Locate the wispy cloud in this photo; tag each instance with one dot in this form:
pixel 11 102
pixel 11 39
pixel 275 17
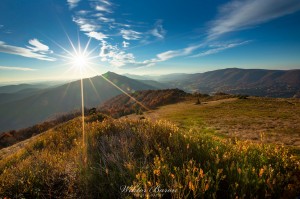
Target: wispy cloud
pixel 4 30
pixel 86 25
pixel 177 53
pixel 106 2
pixel 31 52
pixel 219 48
pixel 83 12
pixel 125 44
pixel 103 8
pixel 167 55
pixel 16 68
pixel 37 46
pixel 242 14
pixel 106 20
pixel 233 16
pixel 158 31
pixel 161 57
pixel 130 34
pixel 72 3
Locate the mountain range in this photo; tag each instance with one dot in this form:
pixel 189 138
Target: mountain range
pixel 258 82
pixel 51 102
pixel 25 105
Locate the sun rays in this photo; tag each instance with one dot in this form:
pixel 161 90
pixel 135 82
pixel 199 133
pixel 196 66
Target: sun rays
pixel 83 61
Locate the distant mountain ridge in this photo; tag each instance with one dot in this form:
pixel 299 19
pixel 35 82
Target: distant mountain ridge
pixel 27 106
pixel 50 102
pixel 258 82
pixel 269 83
pixel 21 87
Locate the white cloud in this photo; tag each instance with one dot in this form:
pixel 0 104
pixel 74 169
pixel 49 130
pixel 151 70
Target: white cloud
pixel 125 44
pixel 98 15
pixel 164 56
pixel 130 34
pixel 16 68
pixel 86 25
pixel 158 30
pixel 97 35
pixel 122 25
pixel 38 46
pixel 119 58
pixel 106 2
pixel 25 52
pixel 177 53
pixel 115 56
pixel 73 3
pixel 106 20
pixel 219 48
pixel 83 12
pixel 242 14
pixel 132 63
pixel 103 9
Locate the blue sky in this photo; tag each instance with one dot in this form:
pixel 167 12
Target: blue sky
pixel 146 37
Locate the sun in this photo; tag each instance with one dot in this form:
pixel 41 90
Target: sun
pixel 80 60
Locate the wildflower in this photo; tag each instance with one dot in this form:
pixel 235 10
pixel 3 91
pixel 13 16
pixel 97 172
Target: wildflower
pixel 261 171
pixel 191 186
pixel 156 172
pixel 201 174
pixel 206 186
pixel 172 175
pixel 239 170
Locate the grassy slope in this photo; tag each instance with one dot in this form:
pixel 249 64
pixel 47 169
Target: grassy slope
pixel 190 159
pixel 277 120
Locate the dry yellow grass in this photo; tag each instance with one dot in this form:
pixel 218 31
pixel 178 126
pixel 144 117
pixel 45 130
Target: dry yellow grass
pixel 271 120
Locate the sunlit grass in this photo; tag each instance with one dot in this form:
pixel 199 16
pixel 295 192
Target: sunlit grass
pixel 193 162
pixel 277 119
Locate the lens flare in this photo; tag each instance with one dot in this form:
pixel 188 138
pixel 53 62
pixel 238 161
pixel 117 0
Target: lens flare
pixel 80 61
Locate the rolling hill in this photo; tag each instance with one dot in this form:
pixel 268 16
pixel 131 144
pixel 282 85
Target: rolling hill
pixel 51 102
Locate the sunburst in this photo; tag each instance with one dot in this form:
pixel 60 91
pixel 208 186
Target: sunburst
pixel 81 60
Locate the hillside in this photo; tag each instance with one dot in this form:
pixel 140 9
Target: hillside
pixel 123 156
pixel 273 121
pixel 50 102
pixel 115 107
pixel 141 101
